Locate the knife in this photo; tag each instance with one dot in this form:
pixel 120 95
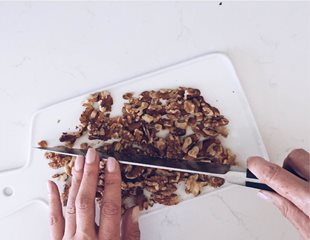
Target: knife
pixel 231 174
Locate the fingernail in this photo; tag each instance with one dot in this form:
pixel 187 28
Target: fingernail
pixel 91 156
pixel 263 196
pixel 135 214
pixel 79 163
pixel 49 187
pixel 111 164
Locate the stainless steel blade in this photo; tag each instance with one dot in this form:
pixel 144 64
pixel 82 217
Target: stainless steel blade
pixel 237 176
pixel 149 161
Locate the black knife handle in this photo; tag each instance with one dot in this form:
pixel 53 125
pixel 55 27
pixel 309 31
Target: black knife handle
pixel 249 174
pixel 256 185
pixel 260 186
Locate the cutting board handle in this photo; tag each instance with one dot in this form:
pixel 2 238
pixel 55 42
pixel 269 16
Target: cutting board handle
pixel 20 187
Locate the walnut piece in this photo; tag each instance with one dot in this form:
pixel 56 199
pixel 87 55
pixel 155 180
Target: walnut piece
pixel 43 144
pixel 189 107
pixel 193 152
pixel 193 186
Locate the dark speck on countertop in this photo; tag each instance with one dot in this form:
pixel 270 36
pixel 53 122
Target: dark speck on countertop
pixel 220 3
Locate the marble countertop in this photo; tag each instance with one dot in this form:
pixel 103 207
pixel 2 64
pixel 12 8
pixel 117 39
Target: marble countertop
pixel 50 52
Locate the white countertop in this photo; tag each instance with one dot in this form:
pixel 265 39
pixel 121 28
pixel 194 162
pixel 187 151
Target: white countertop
pixel 50 52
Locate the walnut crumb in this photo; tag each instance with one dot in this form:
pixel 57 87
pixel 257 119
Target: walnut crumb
pixel 43 144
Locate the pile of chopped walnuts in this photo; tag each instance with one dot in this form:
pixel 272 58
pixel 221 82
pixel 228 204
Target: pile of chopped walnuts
pixel 172 123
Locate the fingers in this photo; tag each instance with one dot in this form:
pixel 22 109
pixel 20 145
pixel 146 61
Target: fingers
pixel 298 161
pixel 130 224
pixel 56 218
pixel 286 184
pixel 70 227
pixel 85 200
pixel 300 220
pixel 110 215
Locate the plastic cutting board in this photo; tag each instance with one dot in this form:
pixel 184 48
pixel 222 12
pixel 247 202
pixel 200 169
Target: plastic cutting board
pixel 213 74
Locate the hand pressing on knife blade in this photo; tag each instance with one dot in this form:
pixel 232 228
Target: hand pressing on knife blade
pixel 292 195
pixel 79 221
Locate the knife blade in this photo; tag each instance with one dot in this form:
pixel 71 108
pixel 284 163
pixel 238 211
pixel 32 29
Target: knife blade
pixel 231 174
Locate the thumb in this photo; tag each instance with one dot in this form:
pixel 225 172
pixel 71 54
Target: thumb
pixel 130 224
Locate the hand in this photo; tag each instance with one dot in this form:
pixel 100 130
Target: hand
pixel 293 193
pixel 80 212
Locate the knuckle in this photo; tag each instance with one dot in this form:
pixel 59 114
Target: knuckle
pixel 108 235
pixel 111 182
pixel 110 209
pixel 296 152
pixel 133 235
pixel 307 203
pixel 294 155
pixel 285 209
pixel 77 177
pixel 53 219
pixel 89 173
pixel 83 202
pixel 80 235
pixel 71 208
pixel 271 173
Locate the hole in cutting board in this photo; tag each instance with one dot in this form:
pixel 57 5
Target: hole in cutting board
pixel 8 191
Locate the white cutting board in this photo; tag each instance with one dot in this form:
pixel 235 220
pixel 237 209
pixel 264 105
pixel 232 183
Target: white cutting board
pixel 213 74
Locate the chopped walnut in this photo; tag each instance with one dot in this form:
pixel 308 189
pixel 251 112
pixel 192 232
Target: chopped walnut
pixel 57 160
pixel 152 123
pixel 189 107
pixel 68 166
pixel 43 144
pixel 69 137
pixel 193 152
pixel 216 181
pixel 187 142
pixel 65 194
pixel 165 200
pixel 127 96
pixel 148 118
pixel 84 146
pixel 135 172
pixel 192 185
pixel 181 124
pixel 62 177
